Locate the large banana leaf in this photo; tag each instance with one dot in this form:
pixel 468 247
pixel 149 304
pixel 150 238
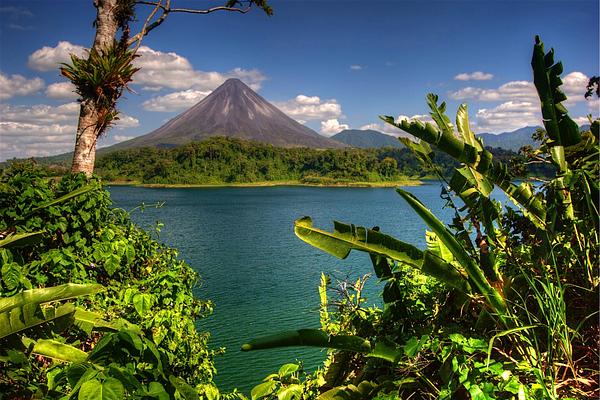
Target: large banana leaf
pixel 346 238
pixel 546 76
pixel 45 295
pixel 55 350
pixel 475 273
pixel 309 337
pixel 20 239
pixel 317 338
pixel 20 318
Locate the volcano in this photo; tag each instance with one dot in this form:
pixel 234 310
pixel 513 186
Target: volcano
pixel 232 110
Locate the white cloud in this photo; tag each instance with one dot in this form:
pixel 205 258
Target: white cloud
pixel 508 116
pixel 581 121
pixel 574 86
pixel 158 69
pixel 594 106
pixel 170 70
pixel 474 76
pixel 40 114
pixel 38 130
pixel 48 58
pixel 383 128
pixel 42 130
pixel 515 90
pixel 61 90
pixel 125 121
pixel 15 12
pixel 332 126
pixel 356 67
pixel 18 85
pixel 122 138
pixel 177 101
pixel 307 108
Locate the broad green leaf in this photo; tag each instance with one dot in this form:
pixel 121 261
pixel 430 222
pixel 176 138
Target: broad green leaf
pixel 30 315
pixel 143 303
pixel 477 394
pixel 345 238
pixel 444 272
pixel 156 390
pixel 68 196
pixel 11 275
pixel 438 114
pixel 126 377
pixel 263 389
pixel 413 345
pixel 58 351
pixel 110 389
pixel 558 156
pixel 388 351
pixel 458 251
pixel 185 390
pixel 462 125
pixel 293 391
pixel 45 295
pixel 309 337
pixel 323 313
pixel 288 369
pixel 437 247
pixel 21 239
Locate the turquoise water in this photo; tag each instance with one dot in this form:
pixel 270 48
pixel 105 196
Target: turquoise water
pixel 260 276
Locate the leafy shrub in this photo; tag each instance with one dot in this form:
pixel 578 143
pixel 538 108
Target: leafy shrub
pixel 84 240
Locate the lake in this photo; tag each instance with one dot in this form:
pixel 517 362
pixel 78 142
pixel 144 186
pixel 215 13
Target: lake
pixel 260 276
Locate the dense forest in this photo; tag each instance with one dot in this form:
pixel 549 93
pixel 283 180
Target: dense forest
pixel 225 160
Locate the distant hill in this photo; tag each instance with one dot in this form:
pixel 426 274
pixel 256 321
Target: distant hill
pixel 366 139
pixel 231 110
pixel 513 140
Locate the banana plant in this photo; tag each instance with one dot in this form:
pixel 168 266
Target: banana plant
pixel 31 308
pixel 452 257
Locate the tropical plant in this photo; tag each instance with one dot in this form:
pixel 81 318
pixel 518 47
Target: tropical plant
pixel 135 338
pixel 515 315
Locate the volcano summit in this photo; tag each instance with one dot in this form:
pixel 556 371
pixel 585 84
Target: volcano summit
pixel 233 110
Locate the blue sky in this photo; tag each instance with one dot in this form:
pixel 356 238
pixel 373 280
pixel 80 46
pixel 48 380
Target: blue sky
pixel 329 64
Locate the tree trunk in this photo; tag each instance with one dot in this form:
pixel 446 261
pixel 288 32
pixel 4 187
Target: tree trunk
pixel 87 127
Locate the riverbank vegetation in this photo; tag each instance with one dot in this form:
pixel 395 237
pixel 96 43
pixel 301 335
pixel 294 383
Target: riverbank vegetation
pixel 229 161
pixel 133 334
pixel 503 302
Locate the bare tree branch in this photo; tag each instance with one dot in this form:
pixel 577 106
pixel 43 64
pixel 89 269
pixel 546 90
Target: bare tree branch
pixel 166 10
pixel 144 31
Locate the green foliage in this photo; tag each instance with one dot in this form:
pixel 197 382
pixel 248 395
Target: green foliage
pixel 291 382
pixel 225 160
pixel 138 333
pixel 502 303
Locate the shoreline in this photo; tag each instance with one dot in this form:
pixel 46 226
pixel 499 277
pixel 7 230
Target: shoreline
pixel 390 184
